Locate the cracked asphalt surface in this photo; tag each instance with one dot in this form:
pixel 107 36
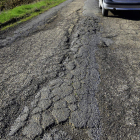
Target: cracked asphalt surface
pixel 71 74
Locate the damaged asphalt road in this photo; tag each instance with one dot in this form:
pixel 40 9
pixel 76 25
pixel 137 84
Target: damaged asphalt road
pixel 74 76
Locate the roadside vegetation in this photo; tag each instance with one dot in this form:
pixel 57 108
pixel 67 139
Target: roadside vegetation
pixel 24 12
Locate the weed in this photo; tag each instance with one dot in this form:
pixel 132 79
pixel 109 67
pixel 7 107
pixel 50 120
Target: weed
pixel 28 9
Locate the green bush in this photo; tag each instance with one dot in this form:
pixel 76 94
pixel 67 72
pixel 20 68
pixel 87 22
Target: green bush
pixel 25 10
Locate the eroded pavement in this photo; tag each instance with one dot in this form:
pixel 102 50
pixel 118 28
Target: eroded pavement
pixel 75 78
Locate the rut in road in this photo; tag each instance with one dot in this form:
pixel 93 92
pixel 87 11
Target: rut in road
pixel 70 97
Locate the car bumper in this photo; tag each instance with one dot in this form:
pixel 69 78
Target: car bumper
pixel 121 7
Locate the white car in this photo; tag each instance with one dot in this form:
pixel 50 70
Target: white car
pixel 118 5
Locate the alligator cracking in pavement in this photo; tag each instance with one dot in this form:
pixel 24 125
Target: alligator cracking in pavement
pixel 62 104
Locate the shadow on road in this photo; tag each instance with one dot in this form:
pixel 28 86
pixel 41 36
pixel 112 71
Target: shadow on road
pixel 131 15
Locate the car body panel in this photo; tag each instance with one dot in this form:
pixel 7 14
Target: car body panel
pixel 120 4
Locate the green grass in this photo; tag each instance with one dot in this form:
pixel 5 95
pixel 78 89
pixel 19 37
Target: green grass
pixel 28 11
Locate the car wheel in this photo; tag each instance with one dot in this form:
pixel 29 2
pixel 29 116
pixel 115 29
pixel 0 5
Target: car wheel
pixel 100 5
pixel 104 11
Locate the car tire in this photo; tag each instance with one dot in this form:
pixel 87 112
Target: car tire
pixel 104 11
pixel 100 5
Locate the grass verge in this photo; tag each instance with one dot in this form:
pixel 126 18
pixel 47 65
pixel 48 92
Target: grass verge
pixel 25 12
